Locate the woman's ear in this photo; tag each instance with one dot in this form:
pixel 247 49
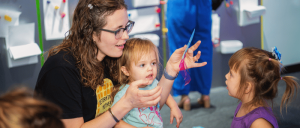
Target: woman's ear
pixel 249 87
pixel 124 70
pixel 95 37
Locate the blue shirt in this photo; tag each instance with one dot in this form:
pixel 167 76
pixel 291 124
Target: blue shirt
pixel 141 117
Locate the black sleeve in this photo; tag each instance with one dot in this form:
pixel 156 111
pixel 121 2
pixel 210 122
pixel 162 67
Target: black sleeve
pixel 62 86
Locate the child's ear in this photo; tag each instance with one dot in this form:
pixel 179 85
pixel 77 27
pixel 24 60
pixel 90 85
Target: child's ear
pixel 249 87
pixel 124 70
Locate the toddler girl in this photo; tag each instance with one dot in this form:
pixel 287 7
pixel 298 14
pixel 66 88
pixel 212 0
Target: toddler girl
pixel 140 62
pixel 253 79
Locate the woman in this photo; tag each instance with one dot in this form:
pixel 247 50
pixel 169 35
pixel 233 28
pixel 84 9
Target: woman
pixel 78 73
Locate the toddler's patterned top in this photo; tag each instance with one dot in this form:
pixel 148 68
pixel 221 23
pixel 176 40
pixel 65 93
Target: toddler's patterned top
pixel 141 117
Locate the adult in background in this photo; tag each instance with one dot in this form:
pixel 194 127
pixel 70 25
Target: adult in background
pixel 183 16
pixel 80 73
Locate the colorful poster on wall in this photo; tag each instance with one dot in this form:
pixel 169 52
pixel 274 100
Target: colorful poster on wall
pixel 56 19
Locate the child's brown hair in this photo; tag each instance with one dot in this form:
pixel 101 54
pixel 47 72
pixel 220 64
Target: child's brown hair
pixel 18 109
pixel 134 50
pixel 262 69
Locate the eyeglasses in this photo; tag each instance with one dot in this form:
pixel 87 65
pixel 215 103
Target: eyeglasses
pixel 118 33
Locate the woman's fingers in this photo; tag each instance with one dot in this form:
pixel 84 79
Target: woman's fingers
pixel 150 93
pixel 150 97
pixel 197 57
pixel 138 83
pixel 195 46
pixel 199 64
pixel 153 102
pixel 182 49
pixel 143 98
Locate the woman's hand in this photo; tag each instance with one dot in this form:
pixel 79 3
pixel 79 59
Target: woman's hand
pixel 172 66
pixel 176 113
pixel 142 98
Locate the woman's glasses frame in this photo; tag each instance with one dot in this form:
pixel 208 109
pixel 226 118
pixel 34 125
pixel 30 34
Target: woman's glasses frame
pixel 120 31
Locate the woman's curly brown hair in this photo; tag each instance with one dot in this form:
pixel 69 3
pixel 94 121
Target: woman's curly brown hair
pixel 79 42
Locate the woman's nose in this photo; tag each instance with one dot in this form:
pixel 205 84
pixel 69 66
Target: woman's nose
pixel 125 35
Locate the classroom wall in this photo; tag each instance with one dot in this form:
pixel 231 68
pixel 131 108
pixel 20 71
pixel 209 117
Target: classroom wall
pixel 281 29
pixel 230 30
pixel 27 75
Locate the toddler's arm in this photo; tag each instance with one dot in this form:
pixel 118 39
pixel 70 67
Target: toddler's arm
pixel 175 111
pixel 261 123
pixel 170 102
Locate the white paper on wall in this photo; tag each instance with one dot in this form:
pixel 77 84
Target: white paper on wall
pixel 153 37
pixel 21 47
pixel 23 51
pixel 13 15
pixel 230 46
pixel 56 19
pixel 249 12
pixel 146 20
pixel 142 3
pixel 215 31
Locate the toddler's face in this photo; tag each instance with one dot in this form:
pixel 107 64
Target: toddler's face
pixel 232 81
pixel 146 68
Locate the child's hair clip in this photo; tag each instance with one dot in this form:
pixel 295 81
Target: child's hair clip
pixel 276 54
pixel 90 6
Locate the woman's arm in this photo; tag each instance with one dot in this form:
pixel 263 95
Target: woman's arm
pixel 133 98
pixel 123 124
pixel 106 120
pixel 172 67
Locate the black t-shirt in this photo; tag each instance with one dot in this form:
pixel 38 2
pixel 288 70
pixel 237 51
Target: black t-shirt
pixel 59 82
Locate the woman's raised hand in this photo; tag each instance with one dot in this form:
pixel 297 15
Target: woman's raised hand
pixel 172 66
pixel 142 98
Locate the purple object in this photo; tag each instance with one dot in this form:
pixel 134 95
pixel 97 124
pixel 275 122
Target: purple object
pixel 184 72
pixel 246 120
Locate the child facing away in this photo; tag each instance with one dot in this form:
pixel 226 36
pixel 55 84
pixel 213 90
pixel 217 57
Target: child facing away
pixel 18 109
pixel 253 79
pixel 140 61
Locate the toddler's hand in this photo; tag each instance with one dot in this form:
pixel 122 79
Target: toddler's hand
pixel 176 113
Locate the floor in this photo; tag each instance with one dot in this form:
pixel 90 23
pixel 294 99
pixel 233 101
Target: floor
pixel 223 106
